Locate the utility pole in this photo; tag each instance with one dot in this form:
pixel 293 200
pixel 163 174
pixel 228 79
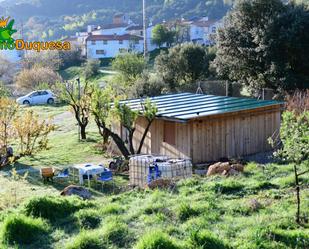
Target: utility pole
pixel 78 84
pixel 145 29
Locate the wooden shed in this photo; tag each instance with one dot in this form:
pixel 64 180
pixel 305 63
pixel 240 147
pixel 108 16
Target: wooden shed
pixel 207 127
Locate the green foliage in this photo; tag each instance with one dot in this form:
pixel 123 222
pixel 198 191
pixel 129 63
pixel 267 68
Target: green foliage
pixel 294 134
pixel 161 35
pixel 54 208
pixel 92 67
pixel 130 66
pixel 183 65
pixel 156 240
pixel 88 218
pixel 149 84
pixel 126 115
pixel 23 230
pixel 205 240
pixel 259 43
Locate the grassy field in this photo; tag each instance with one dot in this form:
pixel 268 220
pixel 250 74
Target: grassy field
pixel 254 210
pixel 64 145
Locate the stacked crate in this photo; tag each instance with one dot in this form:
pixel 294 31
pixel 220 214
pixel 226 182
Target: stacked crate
pixel 170 168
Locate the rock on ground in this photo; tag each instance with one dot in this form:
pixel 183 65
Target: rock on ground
pixel 76 190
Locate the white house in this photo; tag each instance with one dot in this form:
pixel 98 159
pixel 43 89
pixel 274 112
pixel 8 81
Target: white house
pixel 203 30
pixel 109 46
pixel 121 36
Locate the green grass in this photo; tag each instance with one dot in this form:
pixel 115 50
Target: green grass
pixel 251 211
pixel 64 146
pixel 105 74
pixel 196 214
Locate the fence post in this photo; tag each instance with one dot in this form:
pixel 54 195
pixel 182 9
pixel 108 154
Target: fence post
pixel 226 88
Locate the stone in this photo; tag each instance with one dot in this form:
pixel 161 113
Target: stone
pixel 218 168
pixel 239 167
pixel 76 190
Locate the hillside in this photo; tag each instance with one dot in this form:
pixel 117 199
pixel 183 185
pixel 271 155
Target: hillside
pixel 64 17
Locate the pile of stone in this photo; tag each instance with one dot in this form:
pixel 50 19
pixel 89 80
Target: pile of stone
pixel 225 169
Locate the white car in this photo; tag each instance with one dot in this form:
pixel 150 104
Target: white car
pixel 37 98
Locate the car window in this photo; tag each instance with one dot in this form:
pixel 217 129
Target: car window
pixel 34 94
pixel 44 93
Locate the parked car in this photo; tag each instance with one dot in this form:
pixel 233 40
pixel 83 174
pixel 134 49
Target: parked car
pixel 37 98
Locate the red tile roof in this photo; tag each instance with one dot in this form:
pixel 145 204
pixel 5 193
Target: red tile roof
pixel 125 37
pixel 204 23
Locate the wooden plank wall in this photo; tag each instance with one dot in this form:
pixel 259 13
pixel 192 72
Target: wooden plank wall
pixel 210 139
pixel 182 147
pixel 233 136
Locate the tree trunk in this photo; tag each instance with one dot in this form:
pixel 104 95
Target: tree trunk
pixel 144 137
pixel 105 135
pixel 297 195
pixel 120 144
pixel 83 132
pixel 131 134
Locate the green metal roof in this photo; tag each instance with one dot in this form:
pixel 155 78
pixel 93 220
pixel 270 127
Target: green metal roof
pixel 186 106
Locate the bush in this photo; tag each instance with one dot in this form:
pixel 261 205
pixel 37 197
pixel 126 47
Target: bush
pixel 156 240
pixel 53 208
pixel 116 232
pixel 23 230
pixel 205 240
pixel 185 211
pixel 88 218
pixel 88 240
pixel 29 79
pixel 92 67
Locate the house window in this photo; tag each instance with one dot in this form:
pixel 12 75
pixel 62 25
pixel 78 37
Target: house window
pixel 105 42
pixel 92 42
pixel 100 51
pixel 169 133
pixel 120 41
pixel 136 41
pixel 141 33
pixel 214 29
pixel 122 50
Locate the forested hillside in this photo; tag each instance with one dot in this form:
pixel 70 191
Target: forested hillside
pixel 64 17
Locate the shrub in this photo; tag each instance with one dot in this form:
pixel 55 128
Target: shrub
pixel 116 232
pixel 53 208
pixel 88 240
pixel 92 67
pixel 88 218
pixel 29 79
pixel 156 240
pixel 205 240
pixel 185 211
pixel 21 229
